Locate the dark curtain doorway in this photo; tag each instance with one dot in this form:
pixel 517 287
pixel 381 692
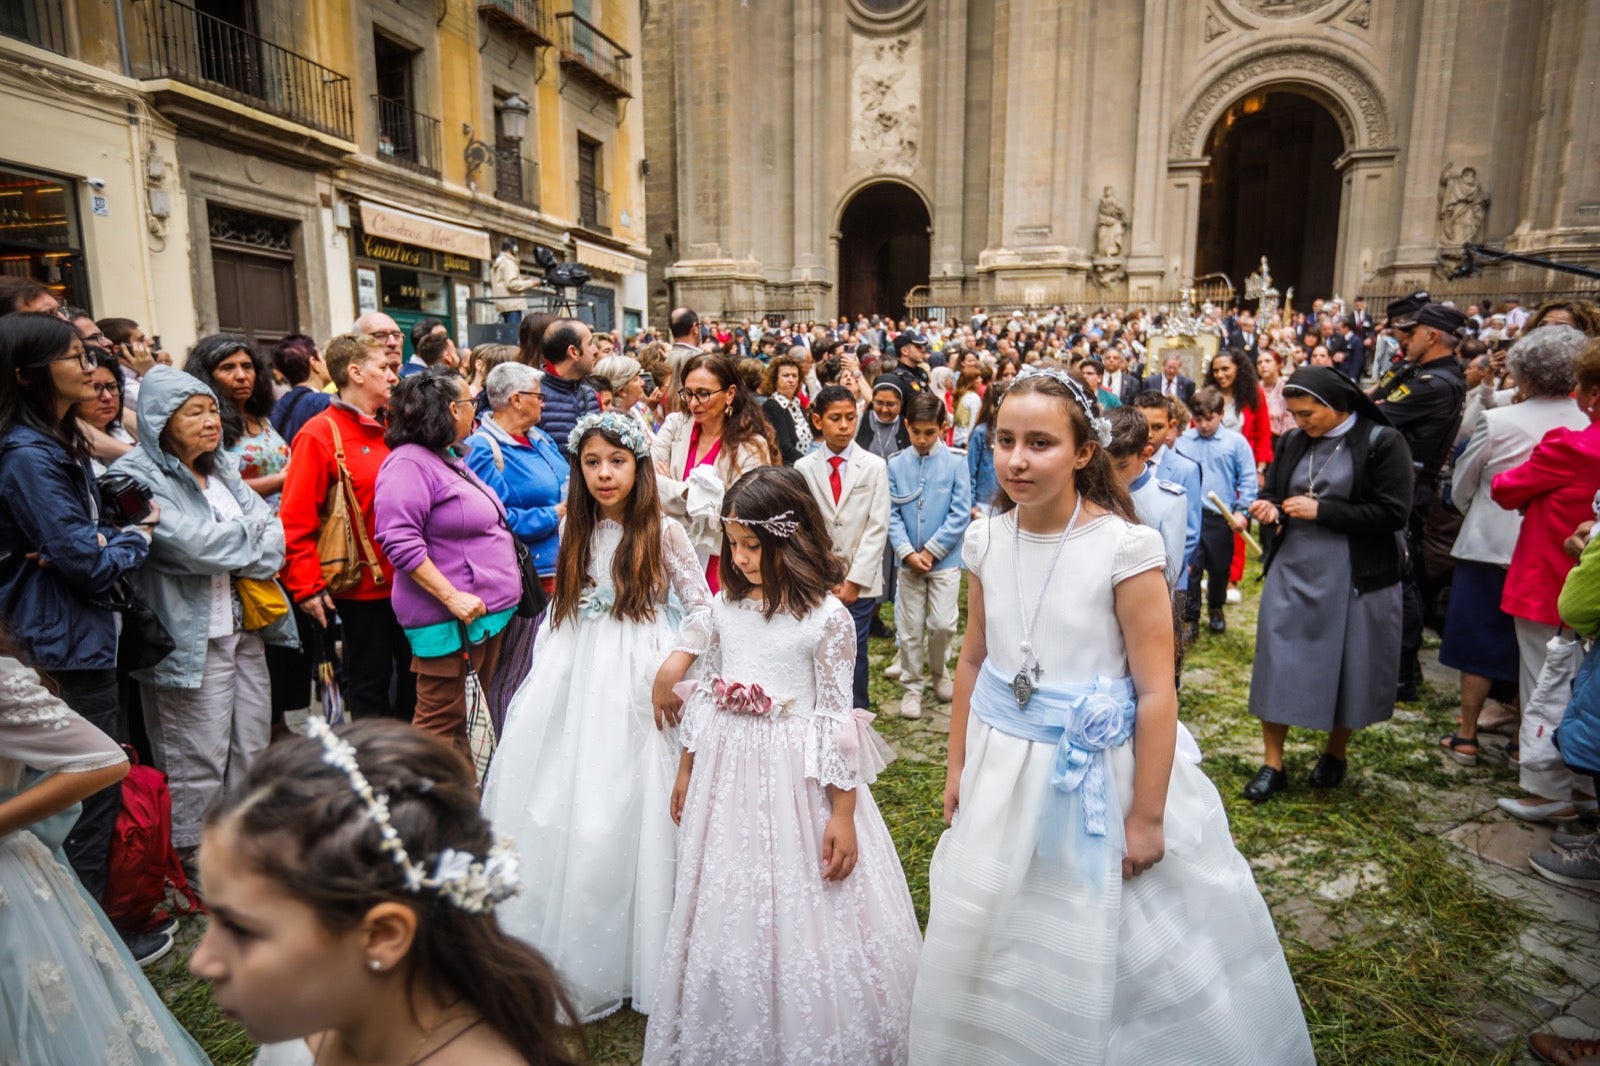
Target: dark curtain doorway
pixel 1271 190
pixel 883 250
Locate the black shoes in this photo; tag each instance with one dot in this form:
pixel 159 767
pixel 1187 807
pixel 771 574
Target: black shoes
pixel 1267 783
pixel 148 949
pixel 1328 773
pixel 1407 687
pixel 1215 622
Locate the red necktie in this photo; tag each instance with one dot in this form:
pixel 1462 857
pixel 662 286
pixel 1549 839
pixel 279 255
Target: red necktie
pixel 834 481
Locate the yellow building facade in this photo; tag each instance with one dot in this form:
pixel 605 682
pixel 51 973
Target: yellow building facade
pixel 272 166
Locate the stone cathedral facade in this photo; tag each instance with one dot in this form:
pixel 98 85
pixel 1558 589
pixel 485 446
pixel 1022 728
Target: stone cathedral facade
pixel 833 156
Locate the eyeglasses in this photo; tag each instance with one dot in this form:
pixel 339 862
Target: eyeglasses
pixel 531 392
pixel 386 334
pixel 699 396
pixel 84 360
pixel 469 401
pixel 93 338
pixel 103 388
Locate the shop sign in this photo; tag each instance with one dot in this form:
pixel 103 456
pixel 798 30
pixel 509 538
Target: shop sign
pixel 391 252
pixel 408 228
pixel 455 264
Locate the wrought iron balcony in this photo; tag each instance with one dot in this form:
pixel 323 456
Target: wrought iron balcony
pixel 516 178
pixel 522 18
pixel 407 137
pixel 197 49
pixel 590 54
pixel 594 207
pixel 42 23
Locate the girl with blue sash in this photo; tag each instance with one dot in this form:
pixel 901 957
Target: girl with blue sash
pixel 1086 906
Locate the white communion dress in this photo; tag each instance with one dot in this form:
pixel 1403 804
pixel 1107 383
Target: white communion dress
pixel 1037 951
pixel 767 963
pixel 582 779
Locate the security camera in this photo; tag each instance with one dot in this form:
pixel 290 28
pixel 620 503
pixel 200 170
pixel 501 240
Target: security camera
pixel 97 183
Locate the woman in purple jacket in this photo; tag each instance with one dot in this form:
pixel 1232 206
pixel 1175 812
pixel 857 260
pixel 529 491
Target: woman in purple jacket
pixel 455 563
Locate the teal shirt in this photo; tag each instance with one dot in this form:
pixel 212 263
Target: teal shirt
pixel 444 638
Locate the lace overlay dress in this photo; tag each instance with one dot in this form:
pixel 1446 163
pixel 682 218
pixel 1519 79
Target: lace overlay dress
pixel 765 961
pixel 582 779
pixel 1029 960
pixel 70 993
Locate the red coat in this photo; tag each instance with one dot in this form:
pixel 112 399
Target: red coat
pixel 310 474
pixel 1554 489
pixel 1257 428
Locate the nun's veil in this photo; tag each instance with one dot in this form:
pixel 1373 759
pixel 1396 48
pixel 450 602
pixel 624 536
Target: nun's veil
pixel 1334 390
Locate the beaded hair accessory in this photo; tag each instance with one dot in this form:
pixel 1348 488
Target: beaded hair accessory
pixel 624 426
pixel 458 877
pixel 782 525
pixel 1099 423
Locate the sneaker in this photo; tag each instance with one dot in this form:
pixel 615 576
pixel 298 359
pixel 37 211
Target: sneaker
pixel 911 705
pixel 944 689
pixel 1564 1050
pixel 1234 595
pixel 892 671
pixel 148 949
pixel 1570 841
pixel 1577 868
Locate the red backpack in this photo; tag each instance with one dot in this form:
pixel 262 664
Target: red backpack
pixel 143 860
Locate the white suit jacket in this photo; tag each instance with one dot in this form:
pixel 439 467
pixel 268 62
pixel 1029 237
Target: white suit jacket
pixel 1504 438
pixel 859 522
pixel 696 502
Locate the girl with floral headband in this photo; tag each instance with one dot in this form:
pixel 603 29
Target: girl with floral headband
pixel 1087 903
pixel 793 938
pixel 353 888
pixel 583 772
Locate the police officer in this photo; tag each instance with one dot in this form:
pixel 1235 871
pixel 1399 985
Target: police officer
pixel 1386 356
pixel 1423 398
pixel 911 348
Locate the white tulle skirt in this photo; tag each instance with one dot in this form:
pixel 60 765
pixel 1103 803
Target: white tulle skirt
pixel 766 962
pixel 581 781
pixel 1031 962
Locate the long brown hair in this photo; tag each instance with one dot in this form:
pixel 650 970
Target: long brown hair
pixel 744 422
pixel 298 821
pixel 1095 481
pixel 797 571
pixel 638 570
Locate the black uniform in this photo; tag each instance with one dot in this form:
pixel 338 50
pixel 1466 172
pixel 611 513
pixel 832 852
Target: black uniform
pixel 1424 402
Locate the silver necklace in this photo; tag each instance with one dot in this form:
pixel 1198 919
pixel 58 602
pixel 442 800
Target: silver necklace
pixel 1026 683
pixel 1314 473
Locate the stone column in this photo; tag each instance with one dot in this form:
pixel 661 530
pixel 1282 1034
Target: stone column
pixel 1181 218
pixel 1367 176
pixel 1418 244
pixel 947 160
pixel 1148 266
pixel 810 219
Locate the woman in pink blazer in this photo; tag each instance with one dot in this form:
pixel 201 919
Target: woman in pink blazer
pixel 1555 490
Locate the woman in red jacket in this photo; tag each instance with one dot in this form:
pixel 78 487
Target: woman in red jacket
pixel 1555 490
pixel 1244 410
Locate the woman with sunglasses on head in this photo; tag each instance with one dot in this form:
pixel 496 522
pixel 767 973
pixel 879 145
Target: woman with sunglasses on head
pixel 719 435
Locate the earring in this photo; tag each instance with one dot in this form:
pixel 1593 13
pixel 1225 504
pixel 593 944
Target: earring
pixel 728 410
pixel 374 965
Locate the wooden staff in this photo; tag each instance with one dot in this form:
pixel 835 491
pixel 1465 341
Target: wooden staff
pixel 1222 509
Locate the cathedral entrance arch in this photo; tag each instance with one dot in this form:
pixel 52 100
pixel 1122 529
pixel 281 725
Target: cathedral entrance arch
pixel 1271 189
pixel 883 249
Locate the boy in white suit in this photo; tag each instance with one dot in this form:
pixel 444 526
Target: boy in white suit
pixel 851 485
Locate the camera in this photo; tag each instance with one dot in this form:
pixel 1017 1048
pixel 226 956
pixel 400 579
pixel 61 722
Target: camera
pixel 123 501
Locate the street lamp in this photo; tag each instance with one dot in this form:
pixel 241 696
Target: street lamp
pixel 513 122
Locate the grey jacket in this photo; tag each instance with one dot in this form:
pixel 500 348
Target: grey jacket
pixel 190 543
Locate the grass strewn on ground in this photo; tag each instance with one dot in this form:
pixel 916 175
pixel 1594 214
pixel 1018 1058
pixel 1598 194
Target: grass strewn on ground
pixel 1397 950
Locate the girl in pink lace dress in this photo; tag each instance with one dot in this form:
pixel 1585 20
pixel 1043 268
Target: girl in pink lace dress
pixel 792 937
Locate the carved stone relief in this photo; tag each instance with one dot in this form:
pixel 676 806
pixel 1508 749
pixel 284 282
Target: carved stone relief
pixel 1213 27
pixel 886 104
pixel 1285 9
pixel 1361 14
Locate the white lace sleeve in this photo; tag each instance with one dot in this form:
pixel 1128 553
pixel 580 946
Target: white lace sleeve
pixel 687 579
pixel 841 747
pixel 1138 549
pixel 40 732
pixel 699 704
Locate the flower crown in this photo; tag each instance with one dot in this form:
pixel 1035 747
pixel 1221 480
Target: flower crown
pixel 1099 423
pixel 624 426
pixel 783 524
pixel 459 877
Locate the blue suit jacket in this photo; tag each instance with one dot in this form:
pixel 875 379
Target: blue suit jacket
pixel 1184 471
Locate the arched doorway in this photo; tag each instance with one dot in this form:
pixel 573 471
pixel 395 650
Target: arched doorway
pixel 883 250
pixel 1271 190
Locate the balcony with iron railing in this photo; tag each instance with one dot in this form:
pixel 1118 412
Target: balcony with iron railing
pixel 528 19
pixel 516 177
pixel 594 208
pixel 406 137
pixel 196 49
pixel 42 23
pixel 591 55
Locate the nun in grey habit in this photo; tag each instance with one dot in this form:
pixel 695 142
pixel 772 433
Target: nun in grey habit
pixel 1328 636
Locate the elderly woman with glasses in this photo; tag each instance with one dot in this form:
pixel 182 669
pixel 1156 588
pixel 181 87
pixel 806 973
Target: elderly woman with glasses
pixel 520 462
pixel 629 394
pixel 456 578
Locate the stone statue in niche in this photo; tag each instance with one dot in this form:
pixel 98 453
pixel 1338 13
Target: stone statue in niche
pixel 1463 205
pixel 887 123
pixel 1111 223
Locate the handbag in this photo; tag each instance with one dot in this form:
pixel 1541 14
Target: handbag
pixel 1545 706
pixel 144 641
pixel 480 730
pixel 261 601
pixel 516 660
pixel 342 542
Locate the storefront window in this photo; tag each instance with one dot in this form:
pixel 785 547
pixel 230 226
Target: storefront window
pixel 39 233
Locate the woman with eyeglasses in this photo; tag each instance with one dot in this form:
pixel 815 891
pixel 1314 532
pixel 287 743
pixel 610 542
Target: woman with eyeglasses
pixel 106 424
pixel 60 555
pixel 456 579
pixel 520 462
pixel 719 435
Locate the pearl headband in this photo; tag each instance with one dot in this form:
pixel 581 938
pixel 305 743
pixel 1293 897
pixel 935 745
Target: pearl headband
pixel 1100 424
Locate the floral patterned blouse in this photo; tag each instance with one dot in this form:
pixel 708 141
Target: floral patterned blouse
pixel 262 455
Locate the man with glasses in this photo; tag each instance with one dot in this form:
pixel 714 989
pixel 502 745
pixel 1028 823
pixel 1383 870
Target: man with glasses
pixel 569 357
pixel 385 329
pixel 93 337
pixel 26 295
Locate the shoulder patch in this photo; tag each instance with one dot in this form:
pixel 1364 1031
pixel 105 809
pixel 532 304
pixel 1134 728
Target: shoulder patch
pixel 1170 486
pixel 1398 394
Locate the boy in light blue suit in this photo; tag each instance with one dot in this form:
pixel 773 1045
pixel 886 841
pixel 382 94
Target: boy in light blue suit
pixel 930 506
